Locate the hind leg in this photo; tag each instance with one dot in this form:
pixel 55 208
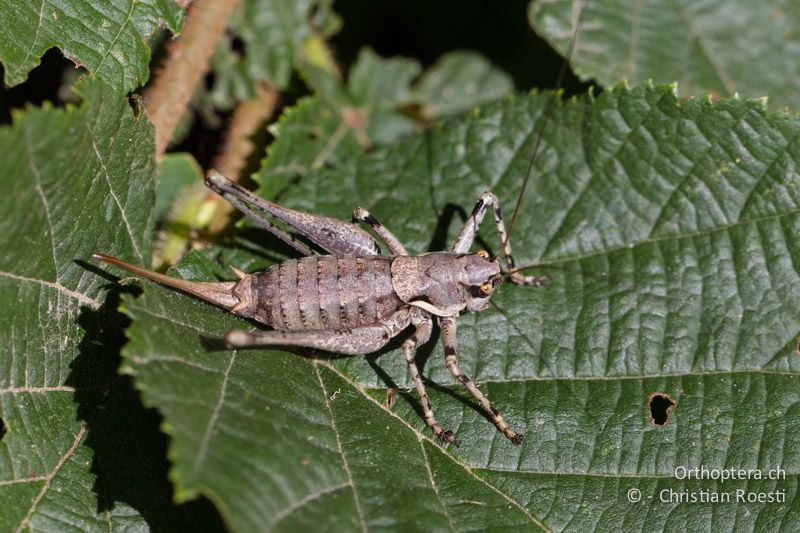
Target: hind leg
pixel 335 236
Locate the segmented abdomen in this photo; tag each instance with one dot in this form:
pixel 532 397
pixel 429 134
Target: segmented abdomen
pixel 326 292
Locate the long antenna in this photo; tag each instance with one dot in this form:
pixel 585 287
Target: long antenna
pixel 546 116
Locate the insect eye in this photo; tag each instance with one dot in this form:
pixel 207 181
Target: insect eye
pixel 483 253
pixel 486 289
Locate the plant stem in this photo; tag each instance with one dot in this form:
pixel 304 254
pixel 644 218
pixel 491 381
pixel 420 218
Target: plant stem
pixel 186 64
pixel 246 120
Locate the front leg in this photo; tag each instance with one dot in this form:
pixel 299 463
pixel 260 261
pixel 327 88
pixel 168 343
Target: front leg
pixel 451 362
pixel 470 229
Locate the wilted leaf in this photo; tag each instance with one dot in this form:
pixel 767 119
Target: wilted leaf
pixel 108 38
pixel 672 231
pixel 77 451
pixel 719 47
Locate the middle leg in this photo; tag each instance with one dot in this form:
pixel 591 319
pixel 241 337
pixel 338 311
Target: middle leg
pixel 421 335
pixel 396 248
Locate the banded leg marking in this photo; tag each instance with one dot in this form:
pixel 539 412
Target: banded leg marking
pixel 420 336
pixel 393 243
pixel 470 230
pixel 451 362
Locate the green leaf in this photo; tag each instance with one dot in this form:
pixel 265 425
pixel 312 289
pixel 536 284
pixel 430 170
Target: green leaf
pixel 179 199
pixel 458 82
pixel 312 135
pixel 108 38
pixel 370 109
pixel 342 120
pixel 670 229
pixel 367 106
pixel 272 33
pixel 718 47
pixel 176 173
pixel 78 451
pixel 79 179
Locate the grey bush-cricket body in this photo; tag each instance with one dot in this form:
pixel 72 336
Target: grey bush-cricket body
pixel 354 300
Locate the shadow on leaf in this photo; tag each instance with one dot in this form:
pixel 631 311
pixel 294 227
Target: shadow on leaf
pixel 130 452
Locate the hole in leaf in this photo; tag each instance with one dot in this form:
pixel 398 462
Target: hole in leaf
pixel 2 429
pixel 660 405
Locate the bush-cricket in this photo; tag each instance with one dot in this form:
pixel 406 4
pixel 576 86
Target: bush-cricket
pixel 354 300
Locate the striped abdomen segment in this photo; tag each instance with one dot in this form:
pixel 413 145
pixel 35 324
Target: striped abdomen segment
pixel 326 292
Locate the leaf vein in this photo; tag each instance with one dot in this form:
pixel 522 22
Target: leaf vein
pixel 54 285
pixel 642 376
pixel 34 479
pixel 49 479
pixel 203 451
pixel 40 191
pixel 28 54
pixel 633 49
pixel 37 390
pixel 585 187
pixel 716 64
pixel 741 304
pixel 299 504
pixel 420 435
pixel 433 484
pixel 653 240
pixel 116 38
pixel 345 465
pixel 114 196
